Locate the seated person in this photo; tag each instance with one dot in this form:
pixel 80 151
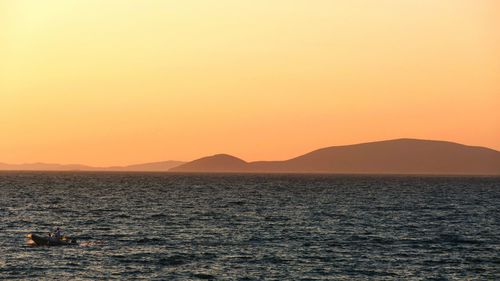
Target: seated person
pixel 58 233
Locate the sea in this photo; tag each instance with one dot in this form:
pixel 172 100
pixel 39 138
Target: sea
pixel 161 226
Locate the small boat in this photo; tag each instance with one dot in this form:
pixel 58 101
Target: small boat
pixel 40 240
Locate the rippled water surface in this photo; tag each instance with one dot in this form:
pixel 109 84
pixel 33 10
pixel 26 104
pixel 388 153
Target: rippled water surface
pixel 251 227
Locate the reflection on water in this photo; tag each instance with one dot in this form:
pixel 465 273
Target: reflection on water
pixel 250 227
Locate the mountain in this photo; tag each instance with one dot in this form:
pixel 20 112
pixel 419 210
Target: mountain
pixel 146 167
pixel 215 163
pixel 400 156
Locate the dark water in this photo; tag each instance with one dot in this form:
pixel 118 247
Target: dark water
pixel 251 227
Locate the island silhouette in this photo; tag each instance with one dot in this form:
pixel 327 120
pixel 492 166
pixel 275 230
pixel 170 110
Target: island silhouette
pixel 399 156
pixel 162 166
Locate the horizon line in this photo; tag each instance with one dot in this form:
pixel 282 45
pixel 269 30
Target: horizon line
pixel 212 154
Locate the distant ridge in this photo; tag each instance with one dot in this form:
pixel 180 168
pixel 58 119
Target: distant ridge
pixel 399 156
pixel 45 167
pixel 163 166
pixel 215 163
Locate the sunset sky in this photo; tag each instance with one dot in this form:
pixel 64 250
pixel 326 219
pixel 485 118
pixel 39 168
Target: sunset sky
pixel 118 82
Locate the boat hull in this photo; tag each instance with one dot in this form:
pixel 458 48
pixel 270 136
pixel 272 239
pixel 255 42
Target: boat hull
pixel 40 240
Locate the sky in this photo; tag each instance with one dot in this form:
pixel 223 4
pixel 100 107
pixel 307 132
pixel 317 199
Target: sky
pixel 129 81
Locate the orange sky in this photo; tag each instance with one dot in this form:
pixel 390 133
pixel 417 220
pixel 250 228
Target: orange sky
pixel 116 82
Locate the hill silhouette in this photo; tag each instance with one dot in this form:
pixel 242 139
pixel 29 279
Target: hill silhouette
pixel 45 167
pixel 400 156
pixel 215 163
pixel 146 167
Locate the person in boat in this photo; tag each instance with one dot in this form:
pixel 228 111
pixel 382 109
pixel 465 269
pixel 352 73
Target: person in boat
pixel 58 233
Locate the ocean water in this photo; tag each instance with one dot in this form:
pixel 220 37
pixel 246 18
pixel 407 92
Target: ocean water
pixel 155 226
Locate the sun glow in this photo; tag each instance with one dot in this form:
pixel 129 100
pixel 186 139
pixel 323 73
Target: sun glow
pixel 123 81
